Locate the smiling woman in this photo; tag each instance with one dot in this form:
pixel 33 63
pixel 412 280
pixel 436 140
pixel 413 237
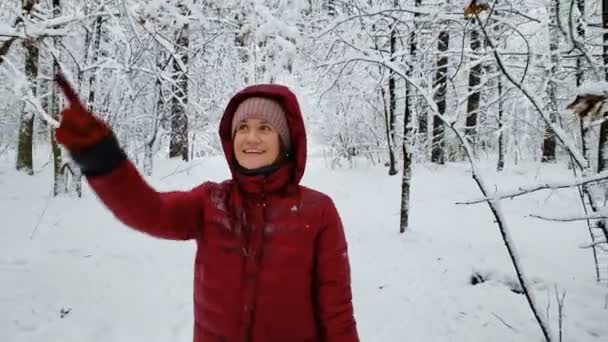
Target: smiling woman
pixel 271 261
pixel 256 144
pixel 260 134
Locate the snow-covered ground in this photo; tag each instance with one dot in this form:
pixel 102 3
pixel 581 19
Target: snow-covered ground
pixel 70 272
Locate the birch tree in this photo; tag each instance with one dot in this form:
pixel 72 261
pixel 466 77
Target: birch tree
pixel 549 141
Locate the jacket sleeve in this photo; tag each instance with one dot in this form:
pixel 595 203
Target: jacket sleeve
pixel 171 215
pixel 332 281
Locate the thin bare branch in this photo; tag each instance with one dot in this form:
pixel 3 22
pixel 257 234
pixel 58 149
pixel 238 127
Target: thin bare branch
pixel 571 218
pixel 603 176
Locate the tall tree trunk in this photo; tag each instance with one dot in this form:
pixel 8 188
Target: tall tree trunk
pixel 602 162
pixel 470 131
pixel 493 68
pixel 580 74
pixel 406 177
pixel 422 116
pixel 440 84
pixel 149 144
pixel 392 103
pixel 501 134
pixel 26 126
pixel 60 181
pixel 605 37
pixel 580 29
pixel 25 146
pixel 178 145
pixel 549 140
pixel 389 115
pixel 95 57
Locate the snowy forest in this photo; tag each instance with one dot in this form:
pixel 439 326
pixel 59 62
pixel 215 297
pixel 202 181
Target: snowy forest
pixel 483 118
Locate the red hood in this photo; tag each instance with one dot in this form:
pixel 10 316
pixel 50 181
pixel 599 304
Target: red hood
pixel 290 104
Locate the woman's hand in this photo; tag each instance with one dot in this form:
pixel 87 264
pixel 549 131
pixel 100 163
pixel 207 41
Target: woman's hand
pixel 79 129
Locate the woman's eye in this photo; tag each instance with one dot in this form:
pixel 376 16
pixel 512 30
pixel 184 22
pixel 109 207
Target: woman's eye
pixel 265 128
pixel 241 127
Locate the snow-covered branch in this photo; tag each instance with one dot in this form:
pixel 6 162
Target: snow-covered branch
pixel 524 190
pixel 572 218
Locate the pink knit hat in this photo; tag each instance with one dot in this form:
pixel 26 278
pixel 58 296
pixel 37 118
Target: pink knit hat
pixel 264 109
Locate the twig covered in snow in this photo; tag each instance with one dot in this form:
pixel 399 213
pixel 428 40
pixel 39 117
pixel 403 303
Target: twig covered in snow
pixel 524 190
pixel 594 244
pixel 560 310
pixel 503 322
pixel 46 206
pixel 594 216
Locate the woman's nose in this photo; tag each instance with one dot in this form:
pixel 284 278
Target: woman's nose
pixel 252 135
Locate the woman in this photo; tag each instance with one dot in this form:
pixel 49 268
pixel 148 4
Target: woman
pixel 271 261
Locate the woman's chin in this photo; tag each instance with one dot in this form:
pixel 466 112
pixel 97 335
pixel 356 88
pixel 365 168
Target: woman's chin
pixel 253 164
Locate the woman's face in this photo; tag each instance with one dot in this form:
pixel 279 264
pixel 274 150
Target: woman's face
pixel 256 144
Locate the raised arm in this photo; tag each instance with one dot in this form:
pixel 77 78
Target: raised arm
pixel 171 215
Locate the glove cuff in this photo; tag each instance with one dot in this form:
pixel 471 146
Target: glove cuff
pixel 101 158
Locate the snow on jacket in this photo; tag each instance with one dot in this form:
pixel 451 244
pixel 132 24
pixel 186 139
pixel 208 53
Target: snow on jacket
pixel 271 262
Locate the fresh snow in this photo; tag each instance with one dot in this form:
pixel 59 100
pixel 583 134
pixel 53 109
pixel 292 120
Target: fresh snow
pixel 69 271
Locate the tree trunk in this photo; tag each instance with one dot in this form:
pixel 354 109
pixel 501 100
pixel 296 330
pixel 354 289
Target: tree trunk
pixel 501 135
pixel 149 144
pixel 580 74
pixel 25 146
pixel 440 84
pixel 26 126
pixel 470 131
pixel 389 115
pixel 406 177
pixel 178 146
pixel 580 28
pixel 95 56
pixel 549 140
pixel 392 104
pixel 422 116
pixel 602 162
pixel 60 182
pixel 605 37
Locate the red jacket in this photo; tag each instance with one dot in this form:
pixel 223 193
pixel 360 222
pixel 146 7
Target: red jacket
pixel 271 263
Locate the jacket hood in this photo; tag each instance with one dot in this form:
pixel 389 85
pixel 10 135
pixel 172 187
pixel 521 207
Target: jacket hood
pixel 289 101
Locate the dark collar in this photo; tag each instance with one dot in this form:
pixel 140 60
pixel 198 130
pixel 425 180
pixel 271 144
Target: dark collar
pixel 261 171
pixel 265 180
